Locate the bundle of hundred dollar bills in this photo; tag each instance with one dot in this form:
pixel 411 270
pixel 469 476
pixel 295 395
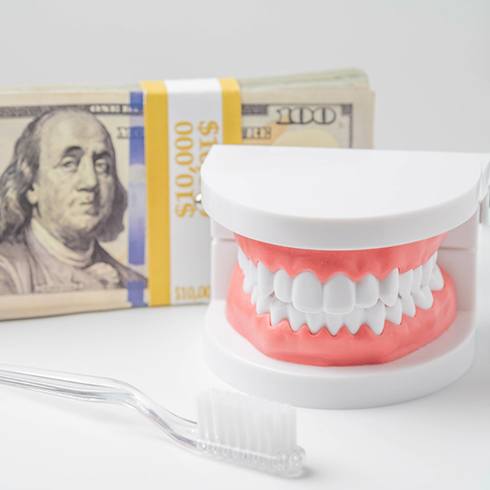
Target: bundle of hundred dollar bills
pixel 99 188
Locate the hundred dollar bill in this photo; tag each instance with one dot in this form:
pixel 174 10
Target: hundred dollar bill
pixel 332 109
pixel 73 185
pixel 66 182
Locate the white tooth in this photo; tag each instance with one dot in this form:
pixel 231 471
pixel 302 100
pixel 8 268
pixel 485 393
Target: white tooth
pixel 408 306
pixel 436 282
pixel 253 297
pixel 334 322
pixel 253 271
pixel 427 269
pixel 354 320
pixel 263 304
pixel 388 289
pixel 376 316
pixel 423 298
pixel 417 278
pixel 367 291
pixel 249 279
pixel 405 283
pixel 315 321
pixel 394 313
pixel 249 276
pixel 296 318
pixel 279 311
pixel 339 295
pixel 307 293
pixel 282 286
pixel 242 260
pixel 265 280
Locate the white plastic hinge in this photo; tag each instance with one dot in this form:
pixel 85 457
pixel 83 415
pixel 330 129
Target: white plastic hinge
pixel 485 209
pixel 485 194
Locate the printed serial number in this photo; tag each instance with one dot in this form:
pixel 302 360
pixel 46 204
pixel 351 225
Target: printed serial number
pixel 191 293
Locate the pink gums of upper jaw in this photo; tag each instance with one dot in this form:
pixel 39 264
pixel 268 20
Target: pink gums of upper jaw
pixel 354 263
pixel 344 349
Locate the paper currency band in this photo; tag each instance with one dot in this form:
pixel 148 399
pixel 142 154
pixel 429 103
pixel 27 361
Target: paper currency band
pixel 156 157
pixel 158 184
pixel 232 112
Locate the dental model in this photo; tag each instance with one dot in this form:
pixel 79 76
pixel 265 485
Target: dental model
pixel 340 308
pixel 342 278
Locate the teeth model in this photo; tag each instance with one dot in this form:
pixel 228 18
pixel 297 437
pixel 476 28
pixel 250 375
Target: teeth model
pixel 340 307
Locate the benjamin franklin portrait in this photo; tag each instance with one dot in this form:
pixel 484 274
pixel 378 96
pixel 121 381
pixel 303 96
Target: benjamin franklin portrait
pixel 60 197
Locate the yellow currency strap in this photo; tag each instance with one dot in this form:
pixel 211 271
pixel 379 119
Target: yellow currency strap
pixel 232 111
pixel 158 190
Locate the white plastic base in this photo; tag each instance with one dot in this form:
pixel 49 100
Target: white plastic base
pixel 238 363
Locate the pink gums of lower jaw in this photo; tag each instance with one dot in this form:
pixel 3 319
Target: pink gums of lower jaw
pixel 344 349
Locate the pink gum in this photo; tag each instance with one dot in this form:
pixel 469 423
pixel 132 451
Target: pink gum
pixel 343 349
pixel 355 263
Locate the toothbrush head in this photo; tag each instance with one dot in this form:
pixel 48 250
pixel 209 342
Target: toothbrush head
pixel 249 431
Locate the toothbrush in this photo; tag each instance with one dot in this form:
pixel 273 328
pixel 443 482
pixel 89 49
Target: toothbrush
pixel 230 427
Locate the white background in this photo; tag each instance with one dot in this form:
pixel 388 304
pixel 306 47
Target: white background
pixel 429 64
pixel 428 60
pixel 440 442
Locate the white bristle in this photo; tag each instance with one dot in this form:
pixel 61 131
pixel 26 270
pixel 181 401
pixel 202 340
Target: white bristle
pixel 249 430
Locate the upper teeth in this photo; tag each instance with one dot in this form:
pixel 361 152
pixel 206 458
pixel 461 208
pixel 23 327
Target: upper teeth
pixel 339 301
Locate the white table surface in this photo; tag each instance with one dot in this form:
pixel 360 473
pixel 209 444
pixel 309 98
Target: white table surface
pixel 438 442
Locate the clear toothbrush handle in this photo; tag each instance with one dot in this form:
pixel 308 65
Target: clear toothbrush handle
pixel 99 389
pixel 70 385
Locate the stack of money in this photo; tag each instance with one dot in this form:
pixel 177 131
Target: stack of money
pixel 327 109
pixel 99 187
